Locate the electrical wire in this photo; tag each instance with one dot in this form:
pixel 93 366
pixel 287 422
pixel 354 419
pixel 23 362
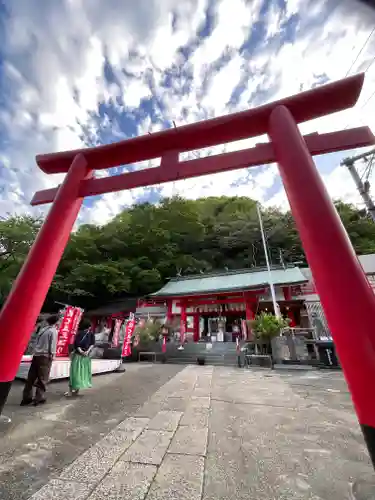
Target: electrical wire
pixel 360 52
pixel 368 100
pixel 365 71
pixel 369 66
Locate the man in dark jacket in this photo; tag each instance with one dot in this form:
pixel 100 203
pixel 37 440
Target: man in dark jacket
pixel 44 351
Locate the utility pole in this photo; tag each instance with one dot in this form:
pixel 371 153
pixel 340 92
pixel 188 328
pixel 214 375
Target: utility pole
pixel 270 280
pixel 281 258
pixel 363 187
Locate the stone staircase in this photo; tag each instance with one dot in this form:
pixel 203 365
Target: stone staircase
pixel 221 353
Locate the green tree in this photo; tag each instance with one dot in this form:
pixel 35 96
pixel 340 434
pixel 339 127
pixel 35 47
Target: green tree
pixel 360 228
pixel 17 234
pixel 145 245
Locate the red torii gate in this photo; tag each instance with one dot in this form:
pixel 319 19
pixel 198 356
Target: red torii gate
pixel 347 298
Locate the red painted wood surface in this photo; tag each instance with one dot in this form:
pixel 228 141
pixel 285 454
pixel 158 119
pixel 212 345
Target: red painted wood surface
pixel 172 170
pixel 347 299
pixel 23 304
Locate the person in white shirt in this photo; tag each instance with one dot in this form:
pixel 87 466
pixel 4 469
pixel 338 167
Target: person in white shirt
pixel 44 351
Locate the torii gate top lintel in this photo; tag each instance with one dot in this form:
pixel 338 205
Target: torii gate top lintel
pixel 314 103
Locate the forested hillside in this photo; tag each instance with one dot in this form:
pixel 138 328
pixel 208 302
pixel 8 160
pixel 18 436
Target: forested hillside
pixel 142 247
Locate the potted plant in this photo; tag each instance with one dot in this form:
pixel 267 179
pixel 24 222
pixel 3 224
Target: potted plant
pixel 147 333
pixel 265 327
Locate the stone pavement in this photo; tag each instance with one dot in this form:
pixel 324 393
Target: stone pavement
pixel 226 434
pixel 42 441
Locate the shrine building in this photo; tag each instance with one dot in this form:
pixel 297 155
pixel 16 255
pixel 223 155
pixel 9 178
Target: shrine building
pixel 215 306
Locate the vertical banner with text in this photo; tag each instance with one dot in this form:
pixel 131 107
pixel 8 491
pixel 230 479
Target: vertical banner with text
pixel 77 319
pixel 116 333
pixel 182 331
pixel 244 329
pixel 129 330
pixel 68 329
pixel 164 345
pixel 63 335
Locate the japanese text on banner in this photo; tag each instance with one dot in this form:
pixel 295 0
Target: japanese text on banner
pixel 116 333
pixel 64 332
pixel 129 330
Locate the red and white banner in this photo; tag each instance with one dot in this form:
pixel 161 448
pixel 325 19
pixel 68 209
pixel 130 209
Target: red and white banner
pixel 129 330
pixel 164 344
pixel 244 329
pixel 116 333
pixel 77 319
pixel 182 331
pixel 238 350
pixel 64 333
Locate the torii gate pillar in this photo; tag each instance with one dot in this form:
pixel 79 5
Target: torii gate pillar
pixel 22 307
pixel 338 275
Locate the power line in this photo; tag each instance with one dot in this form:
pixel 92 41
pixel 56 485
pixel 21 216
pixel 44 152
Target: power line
pixel 365 71
pixel 368 100
pixel 360 52
pixel 369 66
pixel 363 106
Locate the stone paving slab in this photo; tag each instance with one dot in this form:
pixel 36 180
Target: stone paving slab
pixel 180 477
pixel 165 420
pixel 149 448
pixel 201 392
pixel 126 481
pixel 199 401
pixel 125 433
pixel 94 464
pixel 99 459
pixel 149 409
pixel 175 404
pixel 195 416
pixel 133 424
pixel 189 441
pixel 58 489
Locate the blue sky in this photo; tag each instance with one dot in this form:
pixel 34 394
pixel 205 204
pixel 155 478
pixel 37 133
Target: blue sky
pixel 75 73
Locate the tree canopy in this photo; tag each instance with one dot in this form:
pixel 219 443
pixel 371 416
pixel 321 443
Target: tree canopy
pixel 136 252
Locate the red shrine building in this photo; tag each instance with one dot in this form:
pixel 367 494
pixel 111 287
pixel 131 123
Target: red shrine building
pixel 208 303
pixel 215 306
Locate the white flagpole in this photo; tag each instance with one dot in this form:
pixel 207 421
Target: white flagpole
pixel 275 304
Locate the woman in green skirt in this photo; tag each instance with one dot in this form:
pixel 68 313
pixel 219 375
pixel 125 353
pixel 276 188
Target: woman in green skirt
pixel 80 366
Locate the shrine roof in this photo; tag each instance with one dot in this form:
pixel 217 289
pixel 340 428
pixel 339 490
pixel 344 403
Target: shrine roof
pixel 229 281
pixel 119 305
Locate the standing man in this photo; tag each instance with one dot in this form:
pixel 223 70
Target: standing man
pixel 44 351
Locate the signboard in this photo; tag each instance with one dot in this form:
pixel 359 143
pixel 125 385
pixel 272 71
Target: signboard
pixel 77 319
pixel 244 329
pixel 129 330
pixel 164 345
pixel 116 333
pixel 68 329
pixel 63 336
pixel 182 331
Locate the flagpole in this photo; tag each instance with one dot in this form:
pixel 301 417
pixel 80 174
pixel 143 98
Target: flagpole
pixel 270 280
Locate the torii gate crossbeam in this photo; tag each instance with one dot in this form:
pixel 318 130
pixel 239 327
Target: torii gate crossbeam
pixel 338 276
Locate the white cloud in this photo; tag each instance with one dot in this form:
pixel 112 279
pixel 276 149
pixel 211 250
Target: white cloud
pixel 222 84
pixel 110 205
pixel 54 57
